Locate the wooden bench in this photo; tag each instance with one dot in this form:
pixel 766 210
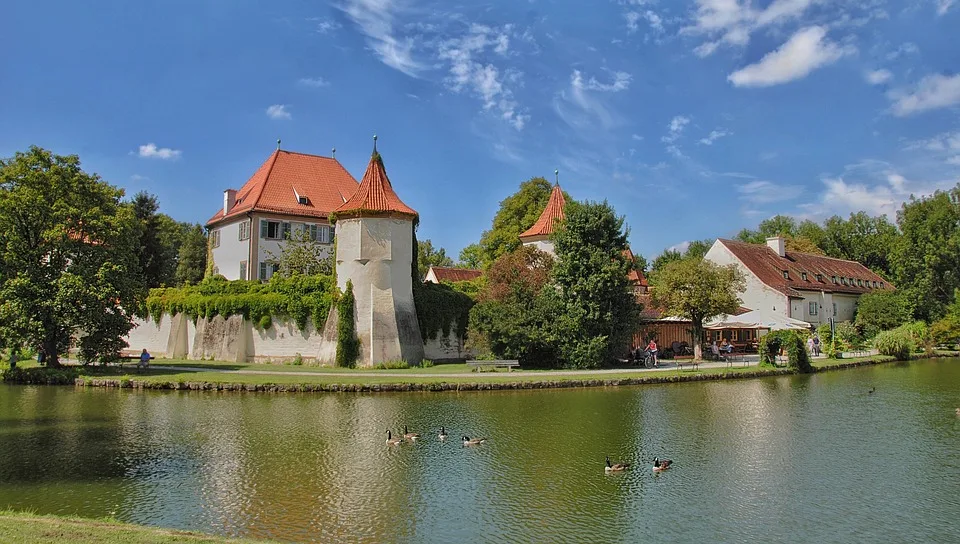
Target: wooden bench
pixel 130 356
pixel 509 364
pixel 689 362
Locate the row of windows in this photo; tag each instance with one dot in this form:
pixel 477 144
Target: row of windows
pixel 279 230
pixel 839 280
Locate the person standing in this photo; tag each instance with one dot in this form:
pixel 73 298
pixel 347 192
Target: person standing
pixel 816 345
pixel 652 348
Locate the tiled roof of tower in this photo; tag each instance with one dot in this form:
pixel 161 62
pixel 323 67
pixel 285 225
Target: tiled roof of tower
pixel 552 213
pixel 634 275
pixel 284 176
pixel 375 193
pixel 802 270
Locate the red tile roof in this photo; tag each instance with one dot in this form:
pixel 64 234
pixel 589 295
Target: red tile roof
pixel 443 273
pixel 285 174
pixel 552 213
pixel 769 268
pixel 635 276
pixel 375 194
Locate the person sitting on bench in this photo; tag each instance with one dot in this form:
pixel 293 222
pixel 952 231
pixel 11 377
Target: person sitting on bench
pixel 715 350
pixel 144 359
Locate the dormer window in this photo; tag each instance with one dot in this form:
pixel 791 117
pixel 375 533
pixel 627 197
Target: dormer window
pixel 786 274
pixel 874 284
pixel 844 280
pixel 820 277
pixel 834 278
pixel 803 276
pixel 881 285
pixel 303 200
pixel 859 283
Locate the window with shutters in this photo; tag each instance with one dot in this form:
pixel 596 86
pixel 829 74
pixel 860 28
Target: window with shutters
pixel 813 308
pixel 274 230
pixel 267 270
pixel 244 230
pixel 243 270
pixel 215 238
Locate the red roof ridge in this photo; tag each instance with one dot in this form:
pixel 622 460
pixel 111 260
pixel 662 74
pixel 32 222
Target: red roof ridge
pixel 725 240
pixel 375 193
pixel 552 213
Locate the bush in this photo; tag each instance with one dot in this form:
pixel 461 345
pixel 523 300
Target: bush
pixel 946 332
pixel 792 343
pixel 348 345
pixel 426 363
pixel 882 311
pixel 392 365
pixel 896 343
pixel 265 322
pixel 297 360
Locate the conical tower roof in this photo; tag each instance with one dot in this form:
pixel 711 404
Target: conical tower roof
pixel 375 195
pixel 552 213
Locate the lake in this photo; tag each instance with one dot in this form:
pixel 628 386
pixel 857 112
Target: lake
pixel 784 459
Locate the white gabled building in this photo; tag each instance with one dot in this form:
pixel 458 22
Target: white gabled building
pixel 804 286
pixel 290 192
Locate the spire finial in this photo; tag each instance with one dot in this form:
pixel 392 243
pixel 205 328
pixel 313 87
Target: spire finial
pixel 334 152
pixel 278 143
pixel 374 143
pixel 556 174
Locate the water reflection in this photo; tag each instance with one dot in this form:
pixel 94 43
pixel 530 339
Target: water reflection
pixel 767 460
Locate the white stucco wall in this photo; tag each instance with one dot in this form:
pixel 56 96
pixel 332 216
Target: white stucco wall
pixel 282 342
pixel 757 295
pixel 543 245
pixel 147 334
pixel 231 251
pixel 377 254
pixel 445 347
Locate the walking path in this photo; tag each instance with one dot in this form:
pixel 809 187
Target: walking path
pixel 750 361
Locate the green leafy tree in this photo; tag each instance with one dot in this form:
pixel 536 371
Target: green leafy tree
pixel 600 313
pixel 518 212
pixel 698 290
pixel 192 256
pixel 698 248
pixel 882 311
pixel 778 225
pixel 302 255
pixel 427 256
pixel 69 258
pixel 662 260
pixel 471 256
pixel 867 240
pixel 153 259
pixel 926 259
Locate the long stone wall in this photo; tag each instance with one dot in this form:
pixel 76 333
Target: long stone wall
pixel 235 339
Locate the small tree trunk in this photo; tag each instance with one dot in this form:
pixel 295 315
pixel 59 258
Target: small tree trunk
pixel 50 353
pixel 698 339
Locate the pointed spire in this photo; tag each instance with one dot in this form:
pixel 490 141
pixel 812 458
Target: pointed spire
pixel 278 144
pixel 334 152
pixel 551 214
pixel 556 174
pixel 375 195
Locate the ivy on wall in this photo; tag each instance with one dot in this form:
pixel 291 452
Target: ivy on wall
pixel 440 308
pixel 348 345
pixel 300 298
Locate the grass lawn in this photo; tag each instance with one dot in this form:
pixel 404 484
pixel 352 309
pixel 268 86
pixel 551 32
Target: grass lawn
pixel 27 528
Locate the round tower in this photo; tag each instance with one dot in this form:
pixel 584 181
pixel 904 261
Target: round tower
pixel 375 251
pixel 538 235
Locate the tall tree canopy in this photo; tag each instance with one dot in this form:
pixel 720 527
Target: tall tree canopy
pixel 926 259
pixel 192 257
pixel 867 240
pixel 68 257
pixel 600 312
pixel 427 256
pixel 698 290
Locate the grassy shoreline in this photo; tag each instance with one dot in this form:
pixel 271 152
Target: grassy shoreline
pixel 438 378
pixel 27 528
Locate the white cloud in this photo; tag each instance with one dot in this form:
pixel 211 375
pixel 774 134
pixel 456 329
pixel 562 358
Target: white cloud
pixel 675 128
pixel 877 77
pixel 151 151
pixel 138 178
pixel 326 26
pixel 681 247
pixel 714 136
pixel 803 53
pixel 621 82
pixel 943 6
pixel 954 160
pixel 469 71
pixel 375 20
pixel 279 112
pixel 764 192
pixel 315 82
pixel 947 141
pixel 633 18
pixel 933 92
pixel 637 137
pixel 906 48
pixel 731 22
pixel 583 94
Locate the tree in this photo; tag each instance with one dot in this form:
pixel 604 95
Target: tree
pixel 69 258
pixel 698 248
pixel 471 256
pixel 517 213
pixel 926 259
pixel 600 313
pixel 867 240
pixel 192 257
pixel 698 290
pixel 427 256
pixel 882 311
pixel 662 260
pixel 517 276
pixel 151 253
pixel 302 255
pixel 778 225
pixel 801 244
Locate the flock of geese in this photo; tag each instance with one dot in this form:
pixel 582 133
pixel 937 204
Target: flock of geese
pixel 659 465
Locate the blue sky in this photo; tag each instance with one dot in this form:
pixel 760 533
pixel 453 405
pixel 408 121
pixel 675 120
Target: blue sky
pixel 694 119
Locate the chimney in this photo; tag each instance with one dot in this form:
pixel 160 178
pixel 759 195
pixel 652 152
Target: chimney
pixel 778 244
pixel 229 199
